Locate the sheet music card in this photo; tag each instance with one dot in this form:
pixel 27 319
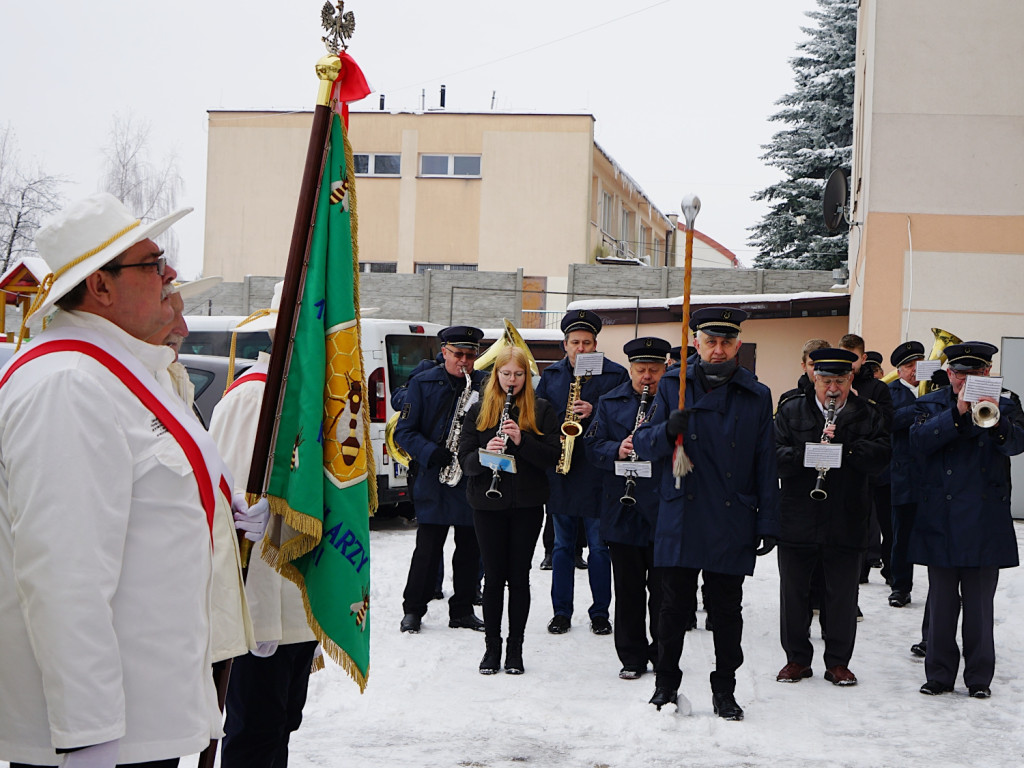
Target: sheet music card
pixel 823 455
pixel 925 368
pixel 977 387
pixel 589 364
pixel 500 461
pixel 633 468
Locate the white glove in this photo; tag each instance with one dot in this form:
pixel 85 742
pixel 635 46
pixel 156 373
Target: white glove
pixel 265 648
pixel 253 520
pixel 97 756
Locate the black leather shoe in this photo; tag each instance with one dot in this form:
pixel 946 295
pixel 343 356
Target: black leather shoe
pixel 979 692
pixel 491 662
pixel 514 656
pixel 920 649
pixel 410 623
pixel 600 625
pixel 559 625
pixel 631 673
pixel 726 707
pixel 438 595
pixel 899 599
pixel 663 697
pixel 545 564
pixel 469 621
pixel 935 688
pixel 581 562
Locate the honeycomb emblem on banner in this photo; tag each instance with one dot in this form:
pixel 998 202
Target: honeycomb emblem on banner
pixel 344 452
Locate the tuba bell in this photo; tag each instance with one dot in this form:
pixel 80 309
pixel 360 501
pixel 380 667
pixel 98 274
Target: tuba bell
pixel 394 449
pixel 942 340
pixel 510 336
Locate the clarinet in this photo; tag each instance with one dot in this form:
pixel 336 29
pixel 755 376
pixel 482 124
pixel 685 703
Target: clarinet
pixel 493 492
pixel 818 493
pixel 627 498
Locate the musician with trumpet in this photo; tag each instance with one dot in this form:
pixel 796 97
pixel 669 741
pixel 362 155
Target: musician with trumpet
pixel 963 530
pixel 825 510
pixel 629 506
pixel 508 508
pixel 428 430
pixel 575 482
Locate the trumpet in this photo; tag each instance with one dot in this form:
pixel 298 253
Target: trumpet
pixel 571 428
pixel 985 414
pixel 493 492
pixel 818 493
pixel 627 498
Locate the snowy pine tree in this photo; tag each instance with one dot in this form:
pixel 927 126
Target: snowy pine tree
pixel 819 138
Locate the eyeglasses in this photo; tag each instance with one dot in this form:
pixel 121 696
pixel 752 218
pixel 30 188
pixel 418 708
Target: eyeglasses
pixel 460 354
pixel 961 375
pixel 512 374
pixel 829 381
pixel 160 264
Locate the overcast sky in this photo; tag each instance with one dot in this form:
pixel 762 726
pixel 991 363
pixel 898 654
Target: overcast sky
pixel 681 90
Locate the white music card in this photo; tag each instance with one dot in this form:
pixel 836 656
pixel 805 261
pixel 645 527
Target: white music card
pixel 977 387
pixel 633 468
pixel 589 364
pixel 823 455
pixel 500 461
pixel 925 368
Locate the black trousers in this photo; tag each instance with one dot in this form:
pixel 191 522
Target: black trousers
pixel 678 603
pixel 638 595
pixel 426 559
pixel 264 706
pixel 882 495
pixel 947 588
pixel 841 571
pixel 507 540
pixel 169 763
pixel 902 569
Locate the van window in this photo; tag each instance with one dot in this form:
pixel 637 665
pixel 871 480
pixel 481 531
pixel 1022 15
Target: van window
pixel 405 353
pixel 249 344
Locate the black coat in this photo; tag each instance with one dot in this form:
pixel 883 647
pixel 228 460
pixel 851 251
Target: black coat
pixel 841 519
pixel 528 487
pixel 901 467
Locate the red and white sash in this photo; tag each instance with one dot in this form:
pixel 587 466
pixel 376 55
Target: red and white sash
pixel 257 372
pixel 207 467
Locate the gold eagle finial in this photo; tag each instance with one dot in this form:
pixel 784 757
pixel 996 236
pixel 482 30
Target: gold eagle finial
pixel 339 26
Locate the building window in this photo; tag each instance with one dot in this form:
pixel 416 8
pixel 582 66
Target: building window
pixel 389 267
pixel 465 166
pixel 381 164
pixel 423 266
pixel 645 236
pixel 606 213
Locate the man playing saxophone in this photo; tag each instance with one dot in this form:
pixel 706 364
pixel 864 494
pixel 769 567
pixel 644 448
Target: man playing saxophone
pixel 428 430
pixel 576 486
pixel 829 528
pixel 629 506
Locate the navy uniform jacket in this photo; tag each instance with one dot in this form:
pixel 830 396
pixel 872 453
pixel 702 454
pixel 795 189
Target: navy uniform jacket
pixel 963 511
pixel 614 420
pixel 902 481
pixel 876 393
pixel 422 431
pixel 730 499
pixel 401 393
pixel 841 520
pixel 579 492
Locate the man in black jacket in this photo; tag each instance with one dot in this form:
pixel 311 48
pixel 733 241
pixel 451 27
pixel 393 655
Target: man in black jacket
pixel 831 531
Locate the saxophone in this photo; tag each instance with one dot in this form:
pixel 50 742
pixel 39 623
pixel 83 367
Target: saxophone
pixel 627 498
pixel 571 427
pixel 452 474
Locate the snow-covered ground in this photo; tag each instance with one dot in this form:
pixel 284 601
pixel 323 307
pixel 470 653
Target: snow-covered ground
pixel 426 704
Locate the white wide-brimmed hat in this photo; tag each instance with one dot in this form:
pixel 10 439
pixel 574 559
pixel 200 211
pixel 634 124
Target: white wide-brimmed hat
pixel 85 236
pixel 195 288
pixel 265 319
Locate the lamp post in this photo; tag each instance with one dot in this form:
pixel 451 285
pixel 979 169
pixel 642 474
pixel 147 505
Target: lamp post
pixel 681 464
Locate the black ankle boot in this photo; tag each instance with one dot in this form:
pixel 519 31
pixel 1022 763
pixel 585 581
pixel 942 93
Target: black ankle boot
pixel 514 656
pixel 491 662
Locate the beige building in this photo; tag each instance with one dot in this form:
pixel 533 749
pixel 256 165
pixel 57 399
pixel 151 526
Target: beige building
pixel 435 190
pixel 937 191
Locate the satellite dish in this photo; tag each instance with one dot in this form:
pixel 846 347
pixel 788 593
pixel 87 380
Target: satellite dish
pixel 834 200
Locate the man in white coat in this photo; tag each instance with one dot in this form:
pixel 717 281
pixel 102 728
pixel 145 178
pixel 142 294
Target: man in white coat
pixel 267 689
pixel 107 496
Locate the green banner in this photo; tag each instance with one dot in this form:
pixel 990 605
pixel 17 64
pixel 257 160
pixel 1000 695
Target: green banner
pixel 320 481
